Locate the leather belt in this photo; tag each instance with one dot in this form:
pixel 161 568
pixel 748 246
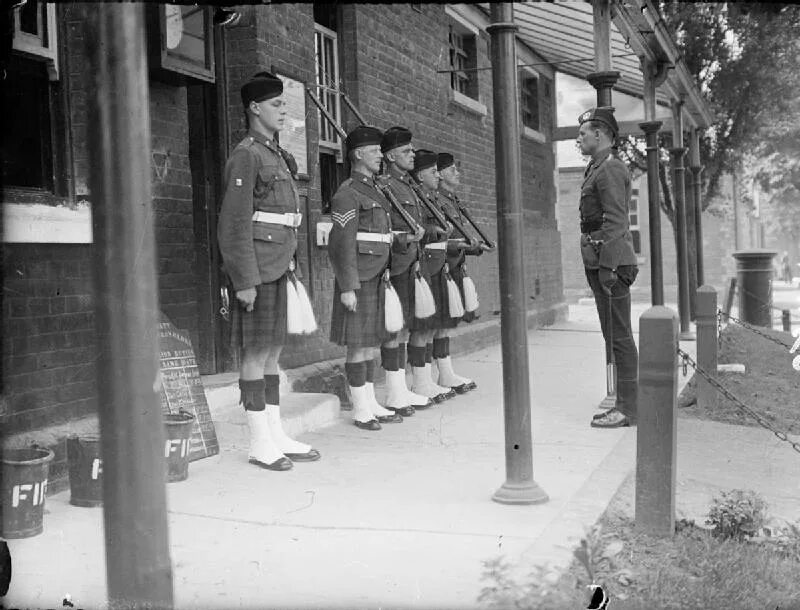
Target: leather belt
pixel 439 245
pixel 385 238
pixel 289 219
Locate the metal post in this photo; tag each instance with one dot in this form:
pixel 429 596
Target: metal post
pixel 519 487
pixel 679 182
pixel 706 344
pixel 697 183
pixel 132 431
pixel 650 129
pixel 786 319
pixel 691 243
pixel 656 437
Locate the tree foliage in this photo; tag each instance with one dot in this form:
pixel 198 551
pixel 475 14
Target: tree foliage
pixel 744 58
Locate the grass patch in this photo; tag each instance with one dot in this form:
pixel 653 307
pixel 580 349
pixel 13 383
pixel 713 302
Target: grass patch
pixel 691 570
pixel 769 385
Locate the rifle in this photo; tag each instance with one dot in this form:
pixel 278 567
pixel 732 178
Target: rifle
pixel 490 245
pixel 432 207
pixel 407 218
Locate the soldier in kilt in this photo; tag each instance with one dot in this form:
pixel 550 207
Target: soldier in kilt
pixel 434 255
pixel 257 240
pixel 398 158
pixel 457 251
pixel 359 248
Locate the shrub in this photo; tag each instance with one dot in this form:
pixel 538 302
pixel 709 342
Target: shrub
pixel 737 514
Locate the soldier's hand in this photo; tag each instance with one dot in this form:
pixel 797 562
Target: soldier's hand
pixel 607 277
pixel 247 298
pixel 450 229
pixel 420 233
pixel 349 300
pixel 474 243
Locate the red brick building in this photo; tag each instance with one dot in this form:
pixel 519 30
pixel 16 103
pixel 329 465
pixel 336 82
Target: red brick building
pixel 395 62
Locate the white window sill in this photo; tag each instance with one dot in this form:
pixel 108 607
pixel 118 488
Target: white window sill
pixel 640 260
pixel 44 224
pixel 468 103
pixel 532 134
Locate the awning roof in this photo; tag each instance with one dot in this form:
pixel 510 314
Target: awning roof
pixel 562 33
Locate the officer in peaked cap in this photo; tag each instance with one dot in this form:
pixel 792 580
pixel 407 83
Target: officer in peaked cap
pixel 608 256
pixel 359 247
pixel 257 239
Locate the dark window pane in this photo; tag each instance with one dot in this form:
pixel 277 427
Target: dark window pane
pixel 27 153
pixel 326 14
pixel 637 241
pixel 29 18
pixel 331 175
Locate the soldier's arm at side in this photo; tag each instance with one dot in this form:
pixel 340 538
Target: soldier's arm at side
pixel 612 183
pixel 235 228
pixel 342 245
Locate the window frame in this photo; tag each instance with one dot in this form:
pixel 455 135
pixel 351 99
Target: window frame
pixel 45 214
pixel 633 210
pixel 464 26
pixel 525 73
pixel 321 33
pixel 34 45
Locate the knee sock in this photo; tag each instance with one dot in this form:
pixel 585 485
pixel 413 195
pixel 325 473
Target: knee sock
pixel 441 347
pixel 428 353
pixel 390 358
pixel 356 373
pixel 369 373
pixel 401 356
pixel 416 356
pixel 252 394
pixel 272 390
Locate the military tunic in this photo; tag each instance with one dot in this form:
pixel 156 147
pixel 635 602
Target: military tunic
pixel 361 218
pixel 257 254
pixel 406 253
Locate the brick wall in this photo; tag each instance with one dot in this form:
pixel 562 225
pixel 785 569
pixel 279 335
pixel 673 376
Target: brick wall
pixel 49 347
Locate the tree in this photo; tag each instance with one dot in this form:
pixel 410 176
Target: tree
pixel 744 58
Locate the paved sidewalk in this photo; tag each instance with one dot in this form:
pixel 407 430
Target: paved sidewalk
pixel 402 518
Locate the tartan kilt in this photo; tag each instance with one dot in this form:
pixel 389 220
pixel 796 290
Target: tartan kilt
pixel 265 326
pixel 458 276
pixel 404 286
pixel 366 326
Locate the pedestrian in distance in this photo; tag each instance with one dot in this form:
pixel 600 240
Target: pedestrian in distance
pixel 257 240
pixel 608 256
pixel 359 248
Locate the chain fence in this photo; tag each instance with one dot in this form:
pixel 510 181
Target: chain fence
pixel 689 361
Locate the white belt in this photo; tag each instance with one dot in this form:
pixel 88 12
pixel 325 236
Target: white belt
pixel 439 245
pixel 289 219
pixel 385 238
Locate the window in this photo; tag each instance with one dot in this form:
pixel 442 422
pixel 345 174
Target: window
pixel 331 175
pixel 29 151
pixel 35 33
pixel 463 78
pixel 186 41
pixel 633 217
pixel 529 99
pixel 326 47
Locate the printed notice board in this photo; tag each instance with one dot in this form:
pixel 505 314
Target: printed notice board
pixel 293 135
pixel 182 388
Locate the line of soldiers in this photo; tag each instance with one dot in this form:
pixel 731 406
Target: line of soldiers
pixel 399 266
